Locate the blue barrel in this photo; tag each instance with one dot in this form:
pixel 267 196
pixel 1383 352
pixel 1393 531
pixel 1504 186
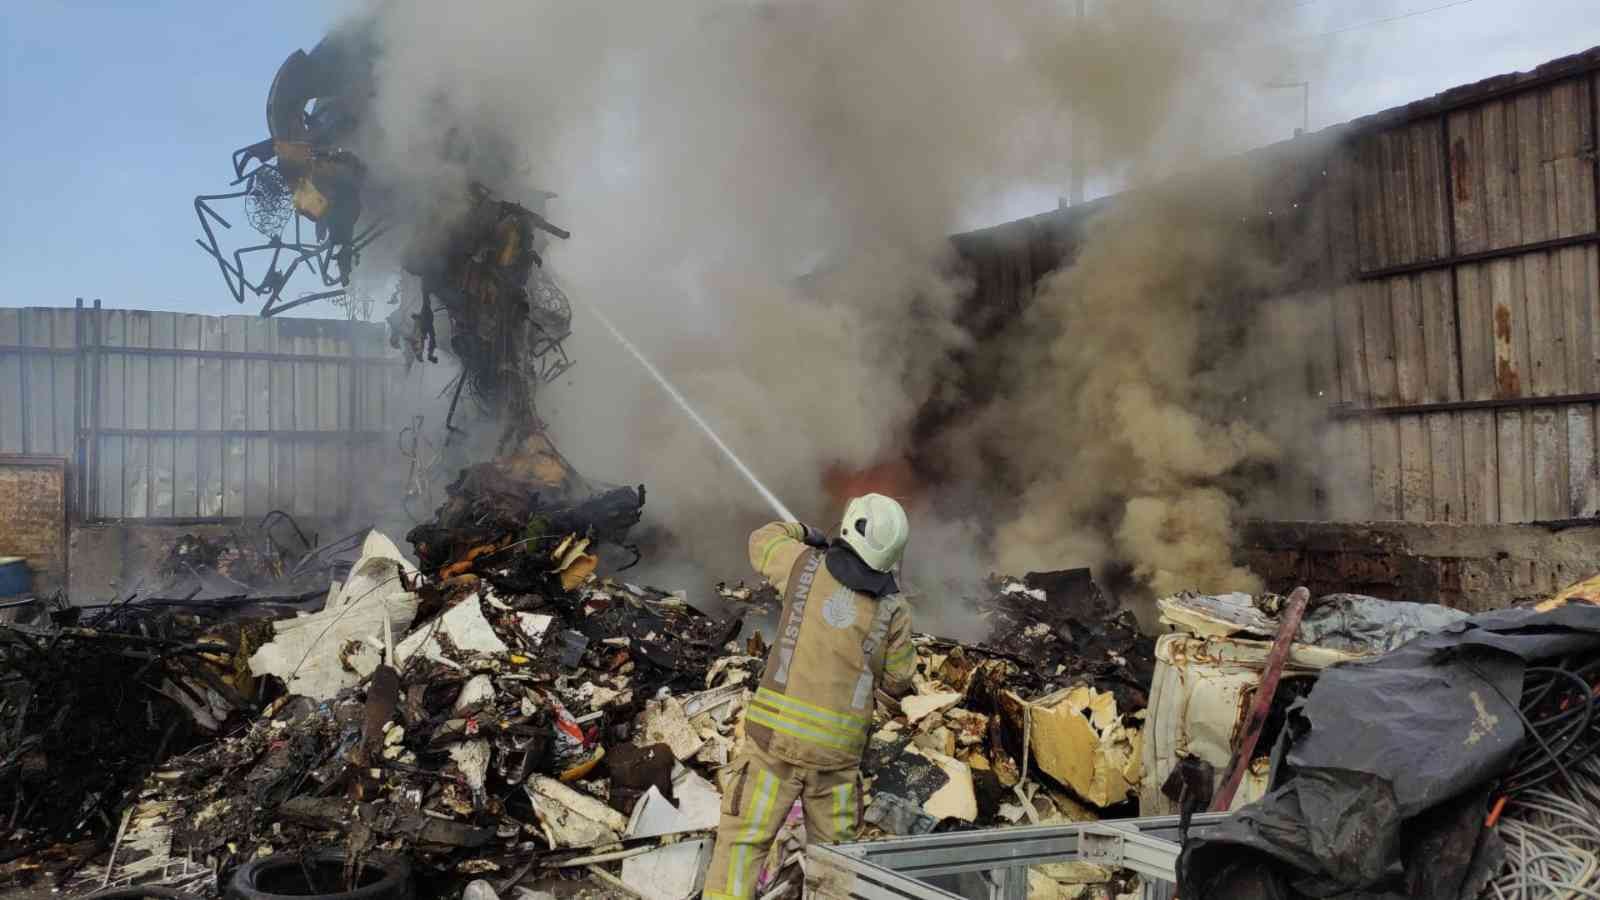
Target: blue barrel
pixel 14 576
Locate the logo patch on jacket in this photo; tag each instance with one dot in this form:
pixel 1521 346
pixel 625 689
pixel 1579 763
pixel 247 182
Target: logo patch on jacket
pixel 840 610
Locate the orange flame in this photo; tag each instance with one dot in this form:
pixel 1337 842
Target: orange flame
pixel 893 477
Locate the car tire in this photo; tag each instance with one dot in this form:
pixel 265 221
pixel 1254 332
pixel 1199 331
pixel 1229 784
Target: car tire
pixel 281 877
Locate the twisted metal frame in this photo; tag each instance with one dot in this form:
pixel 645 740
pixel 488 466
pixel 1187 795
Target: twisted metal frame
pixel 329 260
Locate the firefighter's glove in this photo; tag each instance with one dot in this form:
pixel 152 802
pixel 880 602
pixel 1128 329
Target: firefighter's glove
pixel 814 538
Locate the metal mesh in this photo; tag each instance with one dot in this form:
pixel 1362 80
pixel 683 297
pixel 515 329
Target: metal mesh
pixel 357 304
pixel 267 206
pixel 548 303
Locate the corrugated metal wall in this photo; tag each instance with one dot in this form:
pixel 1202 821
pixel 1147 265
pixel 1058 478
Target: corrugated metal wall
pixel 1455 243
pixel 166 416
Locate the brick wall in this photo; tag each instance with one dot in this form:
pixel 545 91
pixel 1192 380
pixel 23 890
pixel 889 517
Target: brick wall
pixel 33 516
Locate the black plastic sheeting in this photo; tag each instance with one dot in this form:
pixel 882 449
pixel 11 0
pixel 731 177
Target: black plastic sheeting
pixel 1388 768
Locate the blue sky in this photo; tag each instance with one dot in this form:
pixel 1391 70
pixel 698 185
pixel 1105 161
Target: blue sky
pixel 113 116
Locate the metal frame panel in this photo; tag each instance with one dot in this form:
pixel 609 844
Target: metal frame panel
pixel 895 867
pixel 119 416
pixel 873 881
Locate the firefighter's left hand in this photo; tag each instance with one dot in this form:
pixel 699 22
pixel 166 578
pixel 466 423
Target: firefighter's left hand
pixel 814 538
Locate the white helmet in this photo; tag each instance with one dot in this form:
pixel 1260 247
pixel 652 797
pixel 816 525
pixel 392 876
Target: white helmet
pixel 876 528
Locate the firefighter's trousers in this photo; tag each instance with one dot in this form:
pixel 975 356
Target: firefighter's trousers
pixel 758 793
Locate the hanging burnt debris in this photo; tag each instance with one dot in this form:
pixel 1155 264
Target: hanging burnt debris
pixel 307 189
pixel 478 266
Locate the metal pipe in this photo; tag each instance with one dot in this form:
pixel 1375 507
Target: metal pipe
pixel 1428 265
pixel 190 353
pixel 1353 412
pixel 1266 690
pixel 78 479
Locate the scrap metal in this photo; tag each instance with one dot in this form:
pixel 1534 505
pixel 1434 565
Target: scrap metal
pixel 1261 704
pixel 474 254
pixel 502 717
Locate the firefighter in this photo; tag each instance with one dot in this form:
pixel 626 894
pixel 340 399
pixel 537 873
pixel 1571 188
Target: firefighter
pixel 845 633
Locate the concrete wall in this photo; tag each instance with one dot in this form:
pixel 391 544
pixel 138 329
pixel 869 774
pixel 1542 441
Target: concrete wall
pixel 1471 567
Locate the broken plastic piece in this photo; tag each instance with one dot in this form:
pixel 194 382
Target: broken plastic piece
pixel 699 808
pixel 306 651
pixel 472 759
pixel 918 706
pixel 956 799
pixel 573 643
pixel 674 872
pixel 534 626
pixel 897 815
pixel 462 625
pixel 571 818
pixel 663 722
pixel 477 693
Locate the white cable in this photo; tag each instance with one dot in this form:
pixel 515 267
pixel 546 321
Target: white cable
pixel 1552 839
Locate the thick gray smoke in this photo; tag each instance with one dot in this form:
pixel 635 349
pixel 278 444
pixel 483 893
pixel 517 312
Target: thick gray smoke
pixel 1150 394
pixel 760 195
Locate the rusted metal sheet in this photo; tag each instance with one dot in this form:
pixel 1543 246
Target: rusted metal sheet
pixel 1461 256
pixel 1484 92
pixel 1198 700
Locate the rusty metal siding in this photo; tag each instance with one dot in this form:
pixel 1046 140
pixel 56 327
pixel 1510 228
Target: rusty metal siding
pixel 1462 274
pixel 1518 327
pixel 166 416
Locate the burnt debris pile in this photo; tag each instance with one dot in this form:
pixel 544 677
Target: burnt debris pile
pixel 502 712
pixel 92 699
pixel 526 522
pixel 502 717
pixel 262 568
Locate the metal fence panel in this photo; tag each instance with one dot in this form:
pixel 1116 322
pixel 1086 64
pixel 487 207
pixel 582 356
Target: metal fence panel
pixel 176 417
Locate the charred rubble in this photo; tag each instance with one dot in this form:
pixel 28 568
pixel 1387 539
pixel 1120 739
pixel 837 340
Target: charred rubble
pixel 93 697
pixel 270 567
pixel 502 712
pixel 502 717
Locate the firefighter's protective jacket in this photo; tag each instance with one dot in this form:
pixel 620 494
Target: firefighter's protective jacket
pixel 834 647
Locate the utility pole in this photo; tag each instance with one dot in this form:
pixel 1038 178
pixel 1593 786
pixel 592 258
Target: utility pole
pixel 1079 141
pixel 1305 101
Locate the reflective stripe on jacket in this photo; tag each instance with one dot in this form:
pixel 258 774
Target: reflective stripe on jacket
pixel 834 647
